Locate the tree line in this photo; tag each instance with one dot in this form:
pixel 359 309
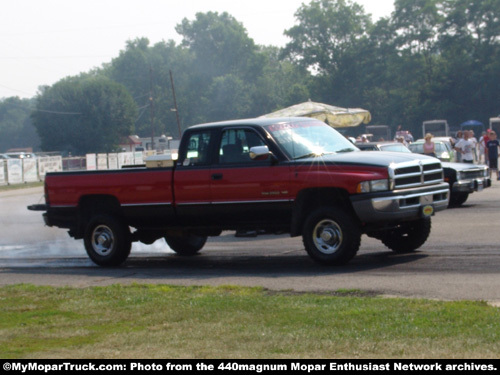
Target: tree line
pixel 430 59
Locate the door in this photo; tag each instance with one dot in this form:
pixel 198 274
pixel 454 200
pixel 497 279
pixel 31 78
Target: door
pixel 192 178
pixel 246 191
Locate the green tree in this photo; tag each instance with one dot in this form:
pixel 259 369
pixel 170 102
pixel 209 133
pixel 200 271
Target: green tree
pixel 228 97
pixel 224 58
pixel 133 69
pixel 145 71
pixel 220 45
pixel 281 84
pixel 328 41
pixel 16 127
pixel 327 31
pixel 470 45
pixel 84 114
pixel 218 71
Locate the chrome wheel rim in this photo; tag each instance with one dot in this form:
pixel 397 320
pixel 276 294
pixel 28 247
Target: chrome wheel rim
pixel 327 236
pixel 103 240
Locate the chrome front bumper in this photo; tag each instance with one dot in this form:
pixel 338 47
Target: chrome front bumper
pixel 399 205
pixel 472 185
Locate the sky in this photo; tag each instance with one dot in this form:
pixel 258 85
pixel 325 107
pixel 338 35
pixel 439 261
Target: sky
pixel 43 41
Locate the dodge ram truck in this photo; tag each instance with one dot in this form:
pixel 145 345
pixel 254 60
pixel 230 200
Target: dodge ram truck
pixel 291 175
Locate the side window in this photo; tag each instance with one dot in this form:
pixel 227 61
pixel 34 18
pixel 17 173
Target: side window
pixel 198 151
pixel 236 144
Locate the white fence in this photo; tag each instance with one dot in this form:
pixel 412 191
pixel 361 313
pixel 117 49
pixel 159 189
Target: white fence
pixel 18 171
pixel 115 161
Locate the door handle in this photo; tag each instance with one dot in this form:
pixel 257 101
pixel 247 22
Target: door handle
pixel 217 176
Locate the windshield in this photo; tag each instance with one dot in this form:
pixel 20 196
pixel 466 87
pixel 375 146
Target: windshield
pixel 309 139
pixel 395 148
pixel 418 148
pixel 441 147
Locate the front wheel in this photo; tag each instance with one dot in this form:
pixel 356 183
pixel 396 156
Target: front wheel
pixel 188 245
pixel 107 240
pixel 407 237
pixel 331 236
pixel 457 199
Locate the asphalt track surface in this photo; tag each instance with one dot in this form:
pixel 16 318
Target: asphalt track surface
pixel 460 261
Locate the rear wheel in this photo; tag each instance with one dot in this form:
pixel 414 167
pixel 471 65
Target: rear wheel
pixel 188 245
pixel 407 237
pixel 107 240
pixel 331 236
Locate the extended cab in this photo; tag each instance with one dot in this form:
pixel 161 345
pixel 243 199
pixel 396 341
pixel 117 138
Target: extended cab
pixel 293 175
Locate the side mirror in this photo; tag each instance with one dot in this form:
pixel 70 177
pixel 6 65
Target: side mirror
pixel 259 152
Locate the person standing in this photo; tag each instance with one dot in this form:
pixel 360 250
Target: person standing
pixel 465 148
pixel 482 147
pixel 429 146
pixel 458 137
pixel 492 153
pixel 473 139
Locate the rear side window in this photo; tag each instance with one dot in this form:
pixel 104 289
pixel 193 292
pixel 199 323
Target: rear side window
pixel 198 149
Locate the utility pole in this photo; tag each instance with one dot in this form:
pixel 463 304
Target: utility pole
pixel 176 110
pixel 151 107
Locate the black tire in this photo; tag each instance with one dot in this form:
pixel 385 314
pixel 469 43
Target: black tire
pixel 331 236
pixel 107 240
pixel 186 245
pixel 457 199
pixel 408 237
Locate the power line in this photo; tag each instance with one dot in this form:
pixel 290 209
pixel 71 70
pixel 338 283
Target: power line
pixel 46 110
pixel 142 109
pixel 52 57
pixel 10 88
pixel 56 112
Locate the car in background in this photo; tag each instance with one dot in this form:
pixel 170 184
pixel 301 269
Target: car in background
pixel 21 155
pixel 443 149
pixel 463 178
pixel 4 156
pixel 382 146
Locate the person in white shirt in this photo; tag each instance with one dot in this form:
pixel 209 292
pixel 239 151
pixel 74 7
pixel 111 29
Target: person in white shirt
pixel 465 147
pixel 473 138
pixel 482 147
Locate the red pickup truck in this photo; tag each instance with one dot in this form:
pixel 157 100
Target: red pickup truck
pixel 290 175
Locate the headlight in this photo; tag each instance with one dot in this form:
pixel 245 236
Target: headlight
pixel 372 186
pixel 445 155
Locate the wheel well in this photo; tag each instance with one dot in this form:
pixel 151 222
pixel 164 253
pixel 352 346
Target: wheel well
pixel 310 199
pixel 91 205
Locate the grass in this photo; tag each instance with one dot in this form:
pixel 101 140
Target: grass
pixel 161 321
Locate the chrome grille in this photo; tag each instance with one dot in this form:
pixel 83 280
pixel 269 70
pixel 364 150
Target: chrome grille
pixel 416 173
pixel 472 173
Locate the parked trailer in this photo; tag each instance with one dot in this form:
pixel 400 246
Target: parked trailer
pixel 379 131
pixel 495 124
pixel 438 128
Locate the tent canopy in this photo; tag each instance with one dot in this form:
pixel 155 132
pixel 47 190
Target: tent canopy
pixel 336 117
pixel 471 123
